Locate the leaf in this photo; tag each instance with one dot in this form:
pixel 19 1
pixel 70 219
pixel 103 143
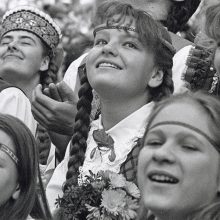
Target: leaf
pixel 102 138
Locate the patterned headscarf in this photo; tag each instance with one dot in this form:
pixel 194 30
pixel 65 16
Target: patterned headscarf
pixel 33 20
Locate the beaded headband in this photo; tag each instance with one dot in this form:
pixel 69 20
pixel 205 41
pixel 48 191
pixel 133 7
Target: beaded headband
pixel 9 152
pixel 33 20
pixel 125 28
pixel 211 141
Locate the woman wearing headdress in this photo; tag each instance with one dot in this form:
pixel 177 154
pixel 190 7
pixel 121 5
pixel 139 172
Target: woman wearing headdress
pixel 28 43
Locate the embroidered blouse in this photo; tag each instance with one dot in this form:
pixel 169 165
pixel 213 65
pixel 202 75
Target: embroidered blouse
pixel 125 135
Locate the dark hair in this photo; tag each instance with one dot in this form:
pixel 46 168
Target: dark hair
pixel 50 75
pixel 27 168
pixel 153 36
pixel 179 14
pixel 211 106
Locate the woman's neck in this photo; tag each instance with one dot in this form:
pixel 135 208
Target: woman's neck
pixel 26 86
pixel 113 112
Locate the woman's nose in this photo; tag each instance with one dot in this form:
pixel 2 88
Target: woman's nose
pixel 12 45
pixel 110 49
pixel 165 153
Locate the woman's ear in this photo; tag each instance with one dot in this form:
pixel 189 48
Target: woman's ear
pixel 16 193
pixel 156 79
pixel 45 63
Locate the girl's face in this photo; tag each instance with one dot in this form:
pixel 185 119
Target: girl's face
pixel 119 65
pixel 8 171
pixel 21 53
pixel 178 169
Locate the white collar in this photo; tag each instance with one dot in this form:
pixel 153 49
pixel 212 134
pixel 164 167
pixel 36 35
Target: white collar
pixel 125 135
pixel 129 126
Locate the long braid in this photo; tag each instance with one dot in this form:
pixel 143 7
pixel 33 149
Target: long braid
pixel 47 77
pixel 81 129
pixel 50 75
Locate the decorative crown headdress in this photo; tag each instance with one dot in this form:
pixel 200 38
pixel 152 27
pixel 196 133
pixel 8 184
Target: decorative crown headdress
pixel 33 20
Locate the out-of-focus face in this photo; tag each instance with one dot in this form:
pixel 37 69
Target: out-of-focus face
pixel 159 9
pixel 8 170
pixel 119 66
pixel 21 56
pixel 178 169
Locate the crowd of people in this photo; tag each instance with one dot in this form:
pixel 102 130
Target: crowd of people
pixel 136 99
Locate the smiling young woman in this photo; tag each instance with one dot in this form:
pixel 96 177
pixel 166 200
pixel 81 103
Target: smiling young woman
pixel 129 66
pixel 178 166
pixel 28 43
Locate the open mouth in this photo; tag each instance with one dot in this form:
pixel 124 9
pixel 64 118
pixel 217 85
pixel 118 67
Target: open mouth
pixel 163 178
pixel 108 65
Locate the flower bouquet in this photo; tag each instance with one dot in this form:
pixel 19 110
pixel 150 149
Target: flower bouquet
pixel 102 196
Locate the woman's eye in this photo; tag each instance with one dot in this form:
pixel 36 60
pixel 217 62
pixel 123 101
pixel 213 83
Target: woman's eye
pixel 100 42
pixel 25 43
pixel 153 142
pixel 189 147
pixel 4 42
pixel 130 45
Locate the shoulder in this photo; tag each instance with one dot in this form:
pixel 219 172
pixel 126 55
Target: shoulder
pixel 14 93
pixel 16 103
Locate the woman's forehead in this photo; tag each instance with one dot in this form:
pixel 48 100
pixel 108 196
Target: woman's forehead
pixel 186 112
pixel 22 33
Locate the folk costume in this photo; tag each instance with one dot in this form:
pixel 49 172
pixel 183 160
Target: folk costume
pixel 13 99
pixel 115 149
pixel 198 71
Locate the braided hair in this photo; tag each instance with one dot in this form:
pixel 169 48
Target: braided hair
pixel 50 75
pixel 155 38
pixel 179 14
pixel 81 128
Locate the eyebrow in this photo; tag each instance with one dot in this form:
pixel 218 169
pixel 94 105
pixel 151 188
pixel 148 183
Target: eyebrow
pixel 178 123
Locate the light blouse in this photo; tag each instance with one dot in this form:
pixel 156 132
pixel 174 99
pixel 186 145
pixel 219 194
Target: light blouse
pixel 125 134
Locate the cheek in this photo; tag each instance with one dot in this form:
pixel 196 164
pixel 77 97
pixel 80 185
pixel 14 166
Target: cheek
pixel 201 179
pixel 2 50
pixel 8 184
pixel 143 161
pixel 217 60
pixel 90 62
